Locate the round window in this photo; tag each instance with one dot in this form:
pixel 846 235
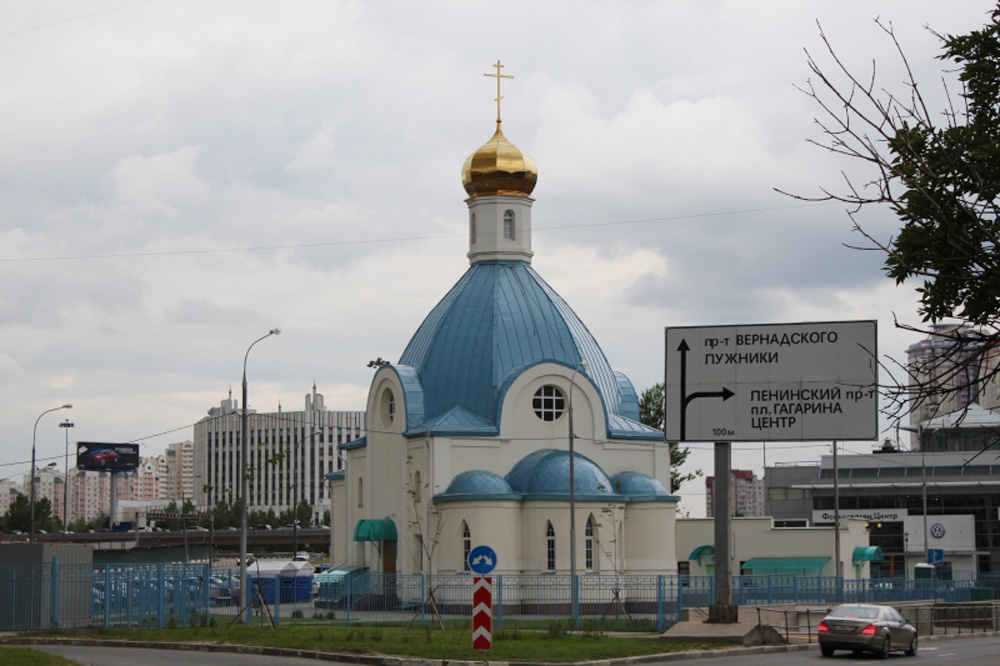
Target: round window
pixel 549 403
pixel 388 406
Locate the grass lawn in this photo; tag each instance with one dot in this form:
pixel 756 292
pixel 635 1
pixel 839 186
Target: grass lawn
pixel 552 645
pixel 12 655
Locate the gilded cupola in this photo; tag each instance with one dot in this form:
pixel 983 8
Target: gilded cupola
pixel 499 167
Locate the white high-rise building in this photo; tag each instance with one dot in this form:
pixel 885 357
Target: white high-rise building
pixel 48 483
pixel 178 471
pixel 746 494
pixel 289 454
pixel 944 371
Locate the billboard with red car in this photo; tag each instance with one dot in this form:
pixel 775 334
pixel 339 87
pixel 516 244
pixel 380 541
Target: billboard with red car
pixel 100 455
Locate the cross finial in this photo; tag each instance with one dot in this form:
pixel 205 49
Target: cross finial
pixel 499 76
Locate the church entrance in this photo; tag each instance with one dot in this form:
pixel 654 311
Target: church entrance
pixel 389 557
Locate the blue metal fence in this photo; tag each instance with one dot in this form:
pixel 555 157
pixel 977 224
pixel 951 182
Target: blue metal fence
pixel 43 596
pixel 49 595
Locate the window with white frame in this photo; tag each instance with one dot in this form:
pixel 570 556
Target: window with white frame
pixel 466 545
pixel 550 547
pixel 508 225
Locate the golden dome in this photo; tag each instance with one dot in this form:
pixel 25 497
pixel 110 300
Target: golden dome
pixel 499 167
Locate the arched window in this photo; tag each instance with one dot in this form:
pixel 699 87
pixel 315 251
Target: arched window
pixel 550 547
pixel 361 492
pixel 416 488
pixel 588 544
pixel 472 228
pixel 508 224
pixel 466 545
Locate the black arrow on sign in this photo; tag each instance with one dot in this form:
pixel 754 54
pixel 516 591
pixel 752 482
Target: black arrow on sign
pixel 725 393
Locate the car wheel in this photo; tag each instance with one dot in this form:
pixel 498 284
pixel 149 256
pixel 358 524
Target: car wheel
pixel 884 654
pixel 826 650
pixel 912 650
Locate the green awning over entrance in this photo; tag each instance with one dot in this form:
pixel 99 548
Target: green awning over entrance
pixel 696 554
pixel 760 565
pixel 868 554
pixel 378 529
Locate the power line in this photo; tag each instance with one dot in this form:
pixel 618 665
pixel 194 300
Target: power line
pixel 399 239
pixel 75 18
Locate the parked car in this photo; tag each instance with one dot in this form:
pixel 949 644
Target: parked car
pixel 866 628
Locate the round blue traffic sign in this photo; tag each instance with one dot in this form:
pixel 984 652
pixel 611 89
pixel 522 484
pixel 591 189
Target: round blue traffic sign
pixel 482 559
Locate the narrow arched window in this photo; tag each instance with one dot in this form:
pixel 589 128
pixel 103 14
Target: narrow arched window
pixel 472 228
pixel 550 548
pixel 361 492
pixel 588 544
pixel 466 545
pixel 508 224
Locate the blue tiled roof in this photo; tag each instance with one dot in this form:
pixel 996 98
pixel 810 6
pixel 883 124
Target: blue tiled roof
pixel 545 473
pixel 499 320
pixel 477 484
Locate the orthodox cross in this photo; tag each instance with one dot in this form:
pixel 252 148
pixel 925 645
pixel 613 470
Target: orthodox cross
pixel 499 76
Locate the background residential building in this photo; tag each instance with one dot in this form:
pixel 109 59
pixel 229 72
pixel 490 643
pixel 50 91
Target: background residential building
pixel 746 494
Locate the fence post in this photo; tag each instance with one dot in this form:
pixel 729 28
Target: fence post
pixel 680 597
pixel 575 599
pixel 350 594
pixel 659 604
pixel 499 602
pixel 276 586
pixel 161 596
pixel 54 594
pixel 107 596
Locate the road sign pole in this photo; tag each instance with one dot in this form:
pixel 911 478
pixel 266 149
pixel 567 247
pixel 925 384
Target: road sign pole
pixel 722 612
pixel 482 613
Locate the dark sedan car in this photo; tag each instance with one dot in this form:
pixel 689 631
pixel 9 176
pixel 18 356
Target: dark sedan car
pixel 868 628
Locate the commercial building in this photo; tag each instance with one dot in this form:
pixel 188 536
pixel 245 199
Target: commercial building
pixel 957 492
pixel 757 548
pixel 290 454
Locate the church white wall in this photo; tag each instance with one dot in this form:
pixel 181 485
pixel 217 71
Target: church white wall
pixel 649 538
pixel 493 524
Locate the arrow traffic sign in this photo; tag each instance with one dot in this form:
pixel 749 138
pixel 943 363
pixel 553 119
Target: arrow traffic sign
pixel 771 382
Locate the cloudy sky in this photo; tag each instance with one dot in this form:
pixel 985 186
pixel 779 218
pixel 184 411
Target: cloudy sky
pixel 177 177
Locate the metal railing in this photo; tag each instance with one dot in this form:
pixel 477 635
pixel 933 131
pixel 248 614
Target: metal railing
pixel 45 596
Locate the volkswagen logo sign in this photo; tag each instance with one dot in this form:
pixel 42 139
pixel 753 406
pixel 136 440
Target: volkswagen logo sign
pixel 937 530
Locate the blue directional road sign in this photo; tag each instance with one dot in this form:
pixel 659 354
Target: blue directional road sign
pixel 482 559
pixel 935 556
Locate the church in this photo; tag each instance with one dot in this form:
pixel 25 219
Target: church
pixel 469 434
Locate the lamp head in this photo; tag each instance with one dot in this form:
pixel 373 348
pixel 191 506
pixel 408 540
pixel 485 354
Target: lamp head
pixel 66 406
pixel 275 331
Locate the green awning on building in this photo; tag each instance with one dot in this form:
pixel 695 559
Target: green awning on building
pixel 868 554
pixel 759 565
pixel 702 550
pixel 376 529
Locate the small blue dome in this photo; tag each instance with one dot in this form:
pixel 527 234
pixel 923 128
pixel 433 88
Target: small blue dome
pixel 478 482
pixel 634 483
pixel 546 473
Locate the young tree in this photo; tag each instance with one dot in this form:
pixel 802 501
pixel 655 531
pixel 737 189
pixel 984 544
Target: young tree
pixel 939 172
pixel 651 413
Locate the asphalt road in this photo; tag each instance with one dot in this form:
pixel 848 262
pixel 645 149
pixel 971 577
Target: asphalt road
pixel 980 651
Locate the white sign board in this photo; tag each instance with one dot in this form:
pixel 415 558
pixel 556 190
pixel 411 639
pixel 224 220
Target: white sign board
pixel 772 382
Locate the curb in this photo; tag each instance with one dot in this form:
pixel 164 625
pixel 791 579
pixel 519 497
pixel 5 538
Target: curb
pixel 372 660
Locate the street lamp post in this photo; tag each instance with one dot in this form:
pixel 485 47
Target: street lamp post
pixel 572 497
pixel 244 592
pixel 34 436
pixel 66 425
